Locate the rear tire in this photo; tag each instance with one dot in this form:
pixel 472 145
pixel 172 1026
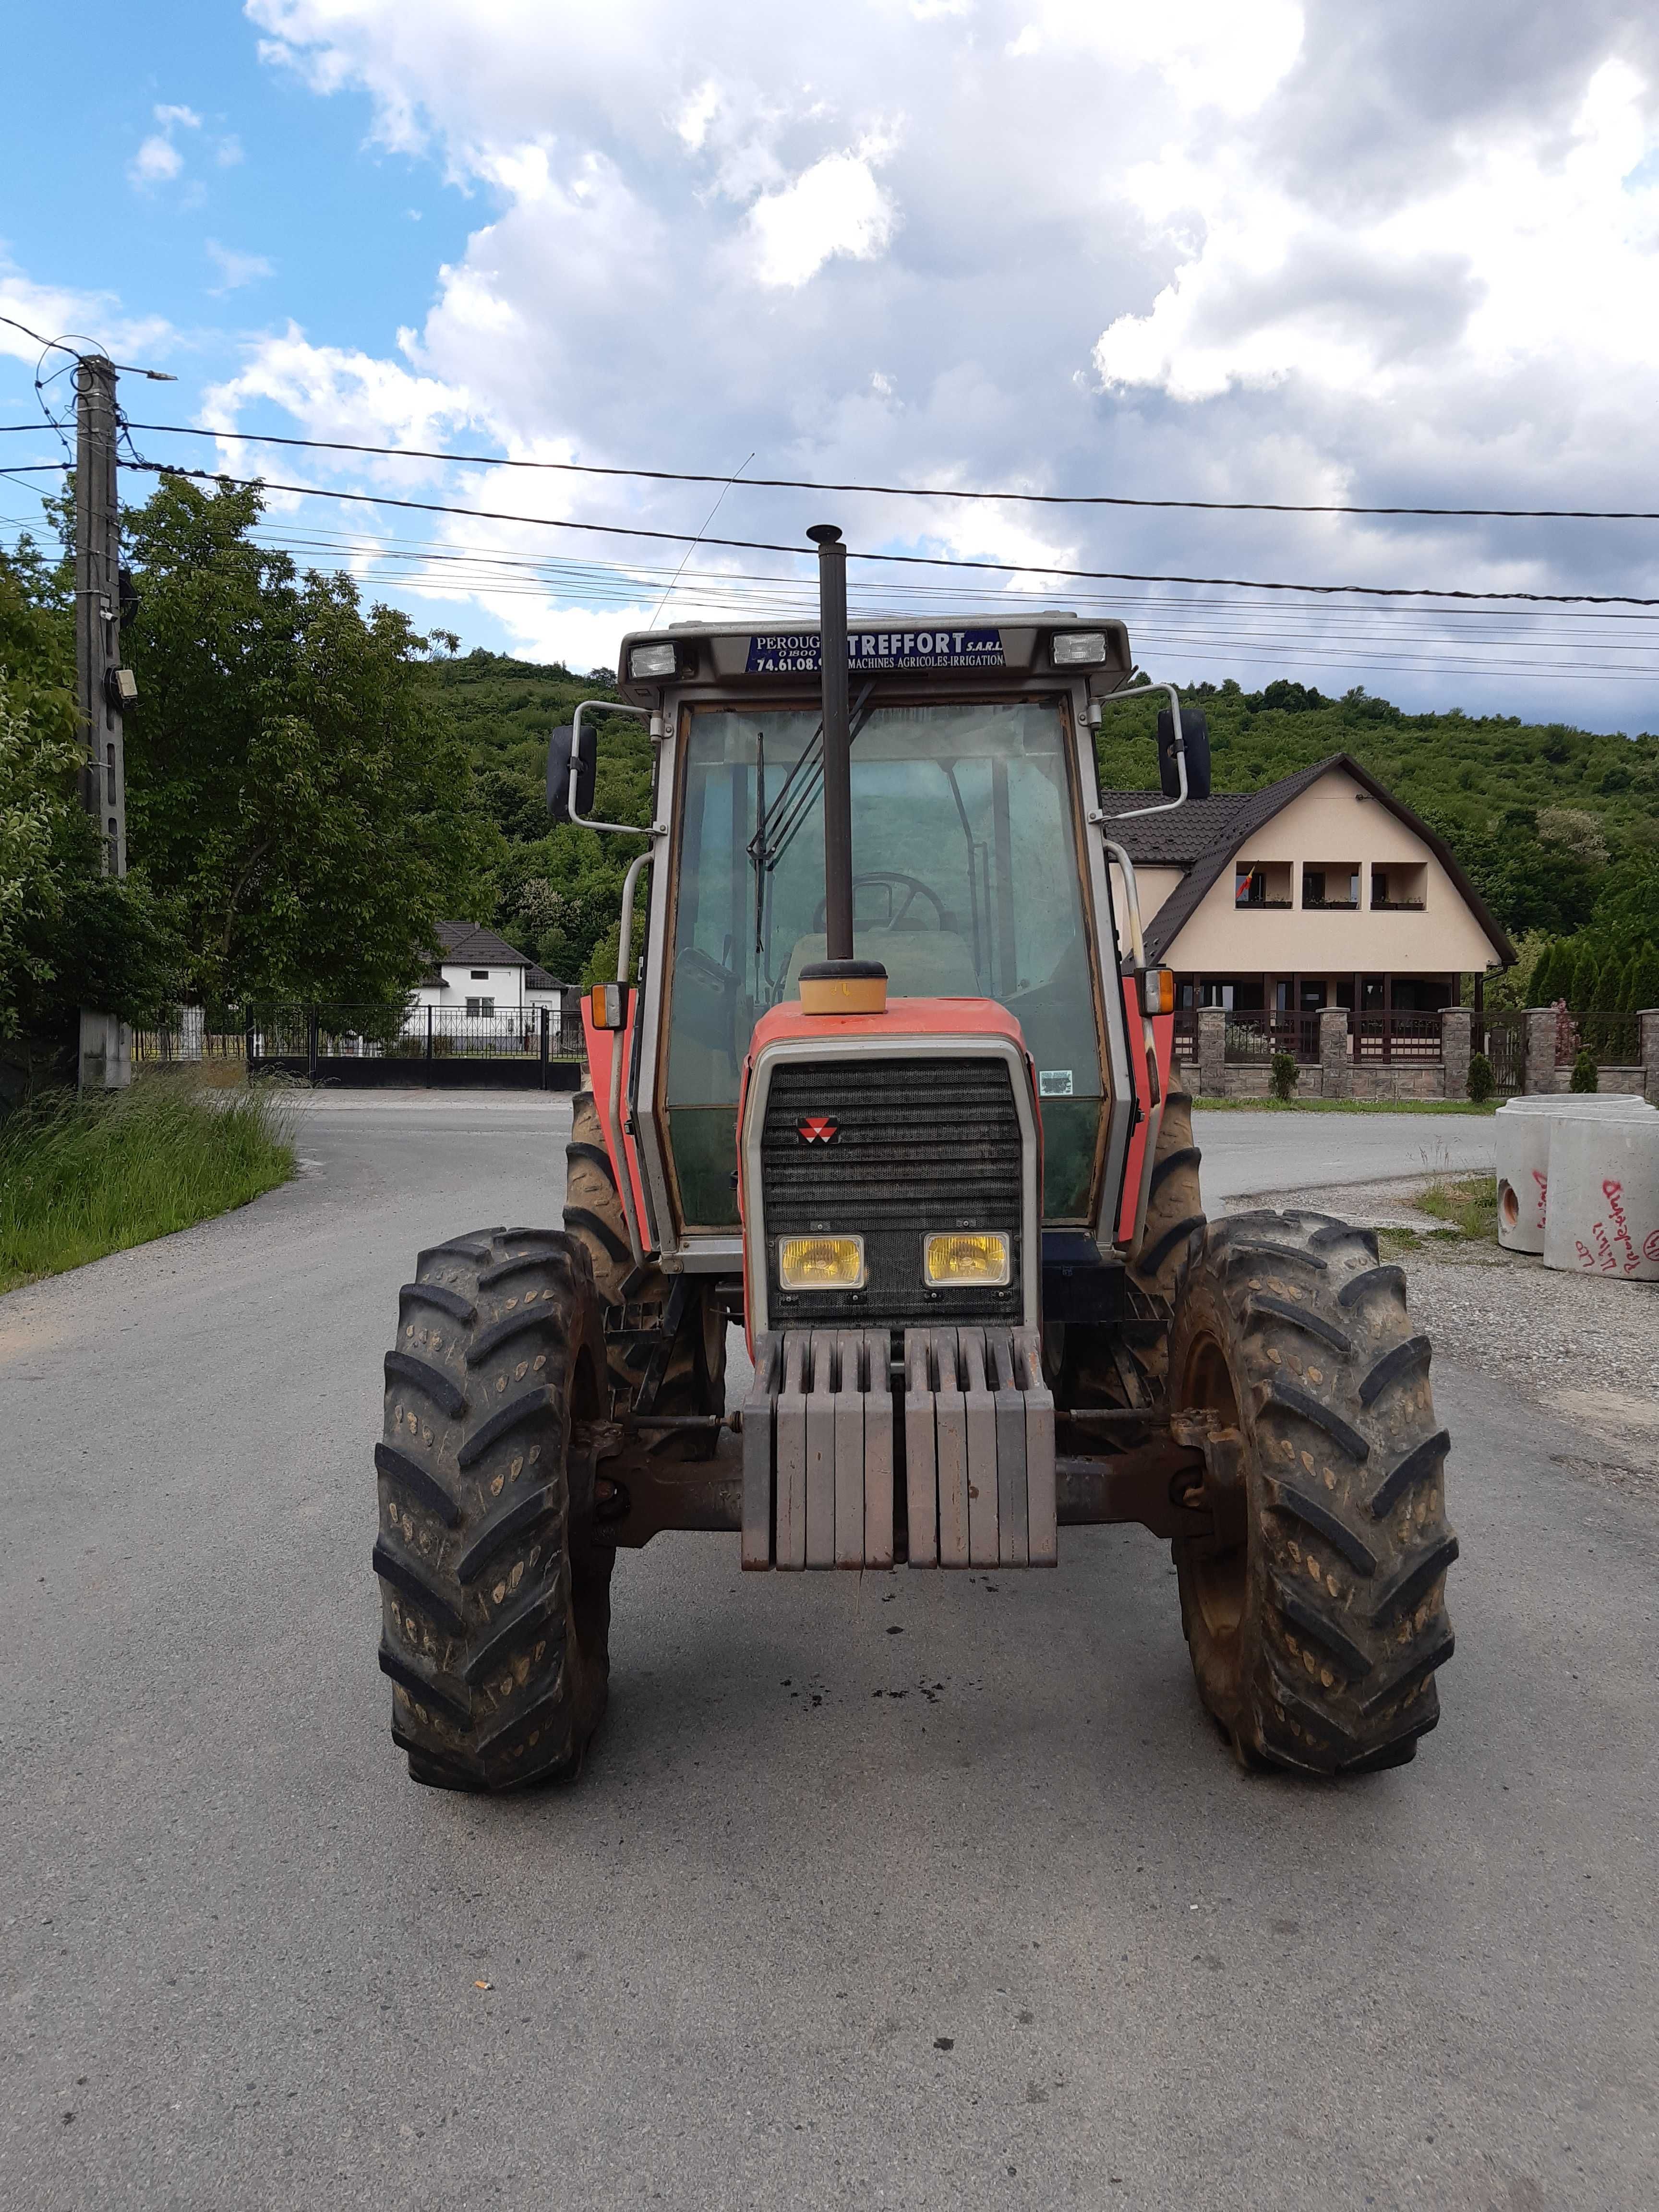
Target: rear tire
pixel 636 1299
pixel 496 1605
pixel 1315 1612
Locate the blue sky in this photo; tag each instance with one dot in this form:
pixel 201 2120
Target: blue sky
pixel 1233 249
pixel 353 232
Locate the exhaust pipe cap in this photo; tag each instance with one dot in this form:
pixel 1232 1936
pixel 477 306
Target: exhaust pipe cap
pixel 843 986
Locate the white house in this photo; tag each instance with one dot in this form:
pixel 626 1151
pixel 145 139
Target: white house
pixel 479 978
pixel 1322 890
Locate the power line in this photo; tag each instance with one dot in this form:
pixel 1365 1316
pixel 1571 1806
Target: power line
pixel 899 560
pixel 1216 632
pixel 918 491
pixel 903 491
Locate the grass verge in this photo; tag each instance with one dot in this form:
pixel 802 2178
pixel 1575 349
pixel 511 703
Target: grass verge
pixel 1469 1203
pixel 1345 1106
pixel 82 1177
pixel 1466 1204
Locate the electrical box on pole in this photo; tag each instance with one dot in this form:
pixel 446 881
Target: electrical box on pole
pixel 103 686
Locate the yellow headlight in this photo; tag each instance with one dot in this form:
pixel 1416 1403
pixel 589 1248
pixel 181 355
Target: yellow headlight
pixel 821 1263
pixel 966 1257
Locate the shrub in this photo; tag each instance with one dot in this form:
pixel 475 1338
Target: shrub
pixel 1284 1075
pixel 1585 1076
pixel 1482 1082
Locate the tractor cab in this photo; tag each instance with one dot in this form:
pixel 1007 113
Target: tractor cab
pixel 977 874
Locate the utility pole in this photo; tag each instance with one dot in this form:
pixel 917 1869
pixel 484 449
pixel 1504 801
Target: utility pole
pixel 102 686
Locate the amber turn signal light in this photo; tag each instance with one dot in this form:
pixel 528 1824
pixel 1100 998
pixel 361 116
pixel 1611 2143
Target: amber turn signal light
pixel 1157 990
pixel 607 1006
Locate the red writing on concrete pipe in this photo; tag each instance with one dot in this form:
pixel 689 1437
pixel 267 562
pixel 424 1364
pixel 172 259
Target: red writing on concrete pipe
pixel 1615 1252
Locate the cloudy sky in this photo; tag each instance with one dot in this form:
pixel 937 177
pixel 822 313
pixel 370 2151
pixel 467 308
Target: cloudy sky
pixel 1375 252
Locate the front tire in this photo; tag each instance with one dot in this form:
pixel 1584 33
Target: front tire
pixel 1314 1610
pixel 495 1606
pixel 692 1378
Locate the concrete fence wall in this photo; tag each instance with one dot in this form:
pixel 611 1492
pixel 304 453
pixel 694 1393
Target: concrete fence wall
pixel 1340 1075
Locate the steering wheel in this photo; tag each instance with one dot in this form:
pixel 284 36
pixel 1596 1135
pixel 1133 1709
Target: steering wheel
pixel 912 885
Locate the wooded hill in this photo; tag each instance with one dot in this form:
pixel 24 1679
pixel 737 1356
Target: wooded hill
pixel 1557 827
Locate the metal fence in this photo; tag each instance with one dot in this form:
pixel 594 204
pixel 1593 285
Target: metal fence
pixel 1613 1039
pixel 423 1033
pixel 169 1048
pixel 1503 1037
pixel 434 1046
pixel 1253 1037
pixel 1399 1034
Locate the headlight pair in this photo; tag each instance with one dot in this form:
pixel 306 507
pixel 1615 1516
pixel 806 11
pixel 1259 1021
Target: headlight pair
pixel 956 1258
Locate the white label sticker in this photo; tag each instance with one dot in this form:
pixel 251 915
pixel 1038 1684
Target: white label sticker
pixel 1054 1083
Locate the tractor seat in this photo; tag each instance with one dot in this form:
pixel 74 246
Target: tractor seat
pixel 920 963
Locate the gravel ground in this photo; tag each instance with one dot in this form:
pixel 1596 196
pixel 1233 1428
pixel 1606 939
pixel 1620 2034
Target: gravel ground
pixel 1584 1347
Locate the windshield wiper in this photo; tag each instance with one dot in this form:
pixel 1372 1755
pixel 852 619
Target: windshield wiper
pixel 802 787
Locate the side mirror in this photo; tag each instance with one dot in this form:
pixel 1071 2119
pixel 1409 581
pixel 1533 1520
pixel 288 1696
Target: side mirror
pixel 558 771
pixel 1195 736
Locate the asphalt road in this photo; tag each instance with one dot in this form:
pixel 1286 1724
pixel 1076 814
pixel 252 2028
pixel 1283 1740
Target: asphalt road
pixel 1247 1153
pixel 915 1890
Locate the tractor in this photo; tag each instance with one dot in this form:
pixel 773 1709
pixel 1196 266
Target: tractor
pixel 888 1087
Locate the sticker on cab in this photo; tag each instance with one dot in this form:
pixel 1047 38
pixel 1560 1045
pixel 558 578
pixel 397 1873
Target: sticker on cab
pixel 1054 1083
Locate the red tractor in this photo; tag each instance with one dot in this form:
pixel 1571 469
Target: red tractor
pixel 889 1087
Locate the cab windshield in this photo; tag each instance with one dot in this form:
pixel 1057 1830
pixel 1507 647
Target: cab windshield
pixel 966 885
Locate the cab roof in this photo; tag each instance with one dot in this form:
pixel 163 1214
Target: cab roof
pixel 1016 644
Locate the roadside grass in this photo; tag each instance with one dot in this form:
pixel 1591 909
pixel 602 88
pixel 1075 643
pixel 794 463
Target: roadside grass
pixel 1469 1203
pixel 1466 1204
pixel 82 1177
pixel 1487 1108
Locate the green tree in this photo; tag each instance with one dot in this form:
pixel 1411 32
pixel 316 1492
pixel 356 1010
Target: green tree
pixel 1586 973
pixel 1545 987
pixel 1609 980
pixel 70 935
pixel 1644 987
pixel 291 789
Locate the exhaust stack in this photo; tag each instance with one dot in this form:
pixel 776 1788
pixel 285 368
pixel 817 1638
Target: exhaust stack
pixel 838 984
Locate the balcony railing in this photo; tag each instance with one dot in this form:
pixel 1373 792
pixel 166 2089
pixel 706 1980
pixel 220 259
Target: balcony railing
pixel 1397 906
pixel 1279 906
pixel 1329 905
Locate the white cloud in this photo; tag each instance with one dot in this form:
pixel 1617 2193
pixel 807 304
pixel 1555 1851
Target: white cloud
pixel 1228 54
pixel 236 269
pixel 158 160
pixel 1220 249
pixel 60 311
pixel 835 207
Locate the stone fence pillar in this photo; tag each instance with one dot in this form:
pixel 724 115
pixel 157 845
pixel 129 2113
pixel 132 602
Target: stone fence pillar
pixel 1335 1068
pixel 1538 1071
pixel 1213 1051
pixel 190 1020
pixel 1648 1019
pixel 1454 1052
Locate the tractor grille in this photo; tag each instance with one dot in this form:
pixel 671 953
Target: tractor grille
pixel 919 1145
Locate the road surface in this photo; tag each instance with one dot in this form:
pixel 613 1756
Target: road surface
pixel 922 1891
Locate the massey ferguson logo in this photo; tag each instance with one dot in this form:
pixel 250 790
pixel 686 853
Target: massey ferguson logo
pixel 817 1129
